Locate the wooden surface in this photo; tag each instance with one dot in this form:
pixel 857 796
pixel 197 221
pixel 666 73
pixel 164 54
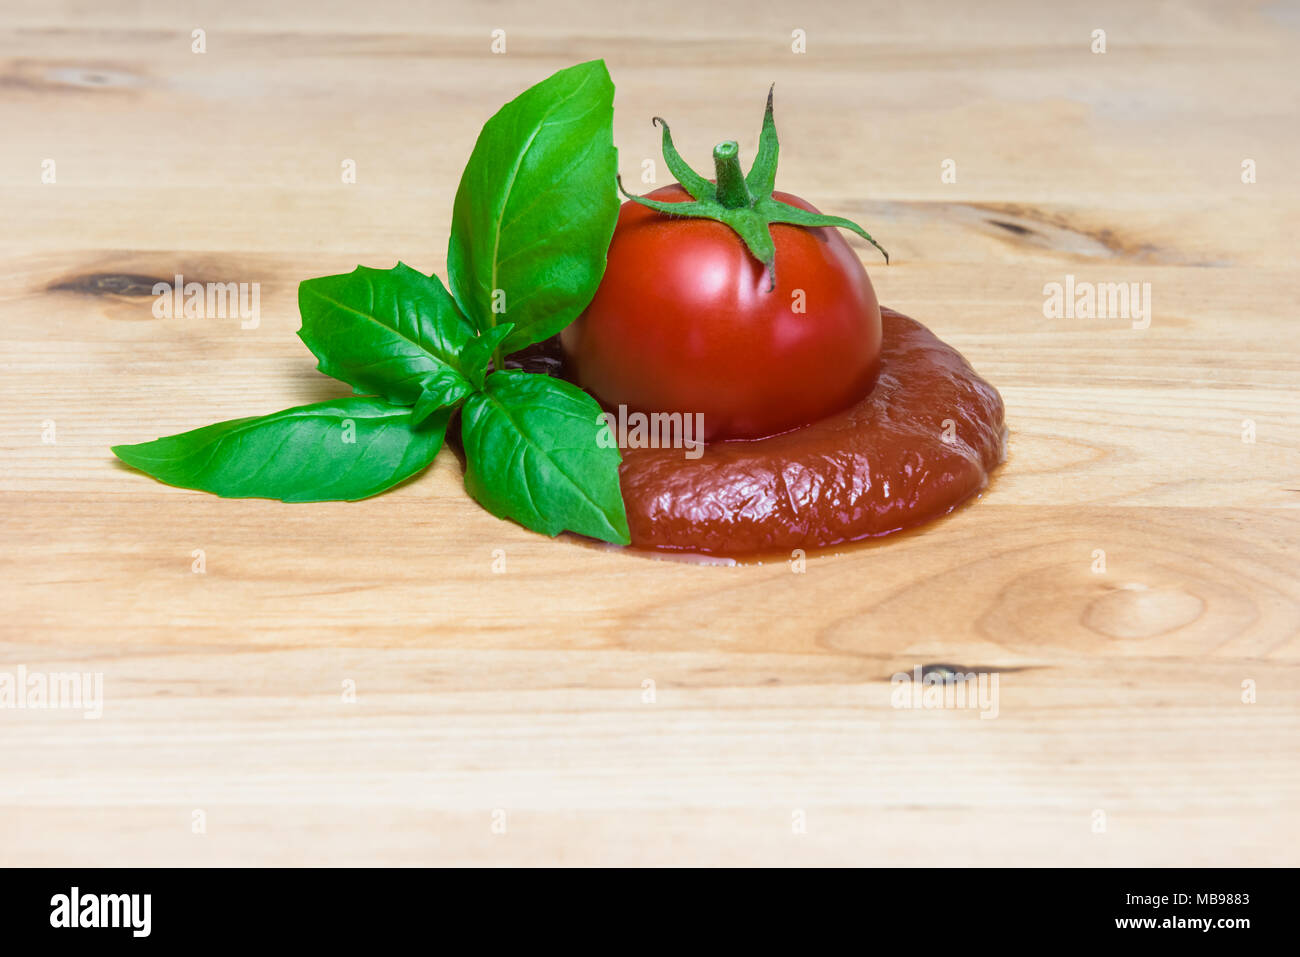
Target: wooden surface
pixel 484 697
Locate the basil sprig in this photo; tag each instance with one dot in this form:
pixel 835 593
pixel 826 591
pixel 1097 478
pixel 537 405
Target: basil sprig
pixel 532 222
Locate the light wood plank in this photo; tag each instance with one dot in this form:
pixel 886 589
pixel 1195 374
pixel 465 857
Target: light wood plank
pixel 1120 690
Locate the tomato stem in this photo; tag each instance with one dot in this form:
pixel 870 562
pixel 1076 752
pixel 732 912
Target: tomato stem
pixel 745 204
pixel 731 190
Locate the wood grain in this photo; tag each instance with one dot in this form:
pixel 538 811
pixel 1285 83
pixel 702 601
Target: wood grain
pixel 521 696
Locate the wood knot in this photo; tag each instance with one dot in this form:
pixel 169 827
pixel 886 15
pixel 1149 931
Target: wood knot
pixel 108 284
pixel 1136 611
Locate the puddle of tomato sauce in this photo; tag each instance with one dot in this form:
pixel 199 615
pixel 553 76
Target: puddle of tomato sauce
pixel 921 443
pixel 778 557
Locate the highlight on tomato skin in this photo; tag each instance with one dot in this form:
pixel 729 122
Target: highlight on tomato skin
pixel 684 321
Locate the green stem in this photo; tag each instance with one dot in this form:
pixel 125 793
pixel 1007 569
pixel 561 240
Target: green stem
pixel 731 190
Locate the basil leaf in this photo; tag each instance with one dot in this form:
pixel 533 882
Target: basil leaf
pixel 453 388
pixel 536 207
pixel 474 359
pixel 441 392
pixel 389 332
pixel 346 449
pixel 535 452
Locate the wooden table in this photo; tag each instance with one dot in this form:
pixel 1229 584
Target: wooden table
pixel 508 717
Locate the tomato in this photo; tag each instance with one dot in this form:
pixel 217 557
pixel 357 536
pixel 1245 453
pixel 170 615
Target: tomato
pixel 684 321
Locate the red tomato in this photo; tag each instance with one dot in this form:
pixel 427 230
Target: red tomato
pixel 683 322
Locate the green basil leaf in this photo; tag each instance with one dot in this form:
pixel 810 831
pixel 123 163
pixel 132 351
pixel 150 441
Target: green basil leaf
pixel 452 388
pixel 345 449
pixel 536 207
pixel 387 332
pixel 475 357
pixel 535 453
pixel 442 392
